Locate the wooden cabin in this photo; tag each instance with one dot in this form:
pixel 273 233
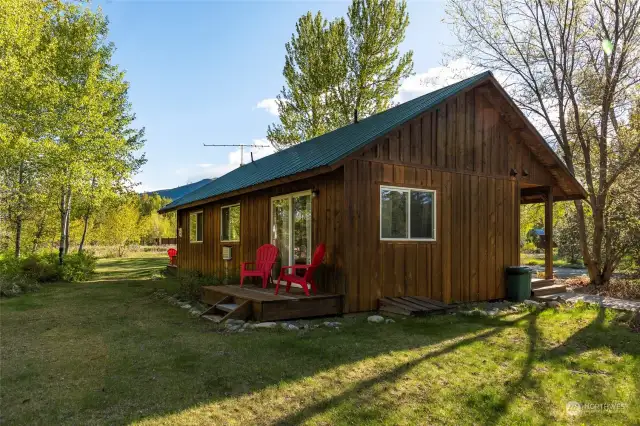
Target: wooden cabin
pixel 420 200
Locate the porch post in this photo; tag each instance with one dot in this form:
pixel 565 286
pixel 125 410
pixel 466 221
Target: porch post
pixel 548 234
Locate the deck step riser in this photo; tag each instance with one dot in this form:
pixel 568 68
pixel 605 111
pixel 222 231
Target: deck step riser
pixel 541 283
pixel 552 289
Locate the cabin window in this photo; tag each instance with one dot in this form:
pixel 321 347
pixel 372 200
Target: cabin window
pixel 195 227
pixel 230 223
pixel 407 214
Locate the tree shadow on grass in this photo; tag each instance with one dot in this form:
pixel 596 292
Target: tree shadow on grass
pixel 145 359
pixel 126 356
pixel 593 336
pixel 361 388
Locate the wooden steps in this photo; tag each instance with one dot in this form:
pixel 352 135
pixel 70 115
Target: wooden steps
pixel 541 282
pixel 229 307
pixel 412 305
pixel 542 287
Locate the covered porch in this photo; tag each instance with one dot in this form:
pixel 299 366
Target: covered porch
pixel 546 286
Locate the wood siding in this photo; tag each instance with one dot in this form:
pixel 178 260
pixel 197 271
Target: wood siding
pixel 476 237
pixel 255 210
pixel 466 134
pixel 465 151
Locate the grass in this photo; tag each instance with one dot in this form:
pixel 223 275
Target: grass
pixel 108 352
pixel 533 259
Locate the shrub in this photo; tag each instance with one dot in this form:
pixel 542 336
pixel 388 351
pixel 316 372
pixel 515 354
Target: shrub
pixel 19 276
pixel 191 283
pixel 43 268
pixel 78 267
pixel 529 247
pixel 16 285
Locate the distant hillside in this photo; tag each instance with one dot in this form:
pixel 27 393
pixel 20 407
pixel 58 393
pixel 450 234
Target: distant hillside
pixel 180 191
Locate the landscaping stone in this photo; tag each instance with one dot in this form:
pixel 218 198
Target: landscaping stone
pixel 185 306
pixel 265 325
pixel 375 319
pixel 232 326
pixel 332 324
pixel 553 304
pixel 604 301
pixel 195 312
pixel 493 312
pixel 389 321
pixel 533 303
pixel 289 327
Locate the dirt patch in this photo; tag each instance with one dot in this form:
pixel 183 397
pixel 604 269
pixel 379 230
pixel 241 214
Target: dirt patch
pixel 619 287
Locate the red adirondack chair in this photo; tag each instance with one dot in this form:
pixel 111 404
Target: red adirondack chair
pixel 318 255
pixel 172 256
pixel 265 258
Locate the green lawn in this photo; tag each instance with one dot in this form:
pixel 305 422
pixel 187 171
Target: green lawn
pixel 109 352
pixel 538 260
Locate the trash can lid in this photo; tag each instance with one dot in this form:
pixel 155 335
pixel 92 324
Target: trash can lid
pixel 518 270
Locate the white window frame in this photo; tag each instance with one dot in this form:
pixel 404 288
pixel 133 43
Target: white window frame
pixel 226 207
pixel 408 191
pixel 202 235
pixel 290 196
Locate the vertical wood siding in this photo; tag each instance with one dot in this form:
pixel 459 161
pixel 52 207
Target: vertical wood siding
pixel 465 151
pixel 255 210
pixel 476 237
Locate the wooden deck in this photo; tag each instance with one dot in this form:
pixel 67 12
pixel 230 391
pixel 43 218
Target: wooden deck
pixel 256 303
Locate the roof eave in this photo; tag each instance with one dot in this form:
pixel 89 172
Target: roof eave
pixel 263 185
pixel 581 192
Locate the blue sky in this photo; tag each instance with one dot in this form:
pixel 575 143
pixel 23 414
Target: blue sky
pixel 207 71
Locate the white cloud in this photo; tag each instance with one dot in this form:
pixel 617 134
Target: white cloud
pixel 211 170
pixel 435 78
pixel 269 105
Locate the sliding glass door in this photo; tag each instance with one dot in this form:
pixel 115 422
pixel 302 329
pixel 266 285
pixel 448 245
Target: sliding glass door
pixel 291 227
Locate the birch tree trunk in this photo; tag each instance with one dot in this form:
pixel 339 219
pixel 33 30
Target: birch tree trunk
pixel 65 210
pixel 20 207
pixel 84 230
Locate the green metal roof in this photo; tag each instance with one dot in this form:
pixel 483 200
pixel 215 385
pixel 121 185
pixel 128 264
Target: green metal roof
pixel 323 150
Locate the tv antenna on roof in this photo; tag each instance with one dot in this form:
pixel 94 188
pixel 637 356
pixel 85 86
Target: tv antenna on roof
pixel 241 149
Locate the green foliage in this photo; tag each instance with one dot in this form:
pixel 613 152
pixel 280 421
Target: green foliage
pixel 78 267
pixel 66 126
pixel 333 68
pixel 121 226
pixel 191 282
pixel 529 247
pixel 567 237
pixel 15 286
pixel 41 268
pixel 24 275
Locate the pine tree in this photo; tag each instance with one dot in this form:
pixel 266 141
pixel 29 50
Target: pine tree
pixel 334 68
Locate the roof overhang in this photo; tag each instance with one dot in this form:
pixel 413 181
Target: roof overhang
pixel 264 185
